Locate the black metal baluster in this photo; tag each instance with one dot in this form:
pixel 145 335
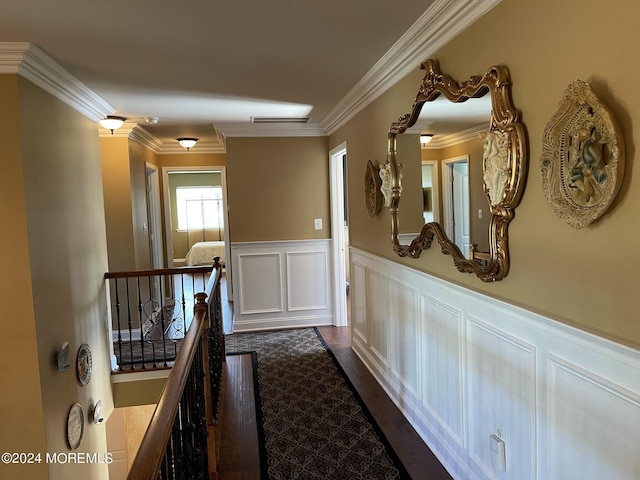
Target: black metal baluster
pixel 140 321
pixel 162 322
pixel 115 281
pixel 184 307
pixel 130 323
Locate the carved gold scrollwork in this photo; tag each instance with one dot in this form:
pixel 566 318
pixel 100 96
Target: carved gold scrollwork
pixel 504 168
pixel 372 193
pixel 582 157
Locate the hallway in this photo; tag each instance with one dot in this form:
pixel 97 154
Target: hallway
pixel 239 459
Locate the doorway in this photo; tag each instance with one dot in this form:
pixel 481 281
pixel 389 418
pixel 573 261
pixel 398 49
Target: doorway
pixel 153 215
pixel 455 186
pixel 339 232
pixel 170 227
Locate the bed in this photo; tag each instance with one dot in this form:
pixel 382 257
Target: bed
pixel 202 253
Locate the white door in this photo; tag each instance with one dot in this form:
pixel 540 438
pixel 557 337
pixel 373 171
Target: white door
pixel 461 206
pixel 455 196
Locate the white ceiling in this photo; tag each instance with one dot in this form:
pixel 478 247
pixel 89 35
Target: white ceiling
pixel 204 67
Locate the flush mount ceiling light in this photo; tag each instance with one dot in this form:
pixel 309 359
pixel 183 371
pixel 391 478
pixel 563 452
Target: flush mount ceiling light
pixel 425 138
pixel 112 122
pixel 187 143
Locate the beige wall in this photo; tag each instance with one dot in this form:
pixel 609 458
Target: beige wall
pixel 116 182
pixel 21 408
pixel 587 277
pixel 277 187
pixel 68 259
pixel 139 156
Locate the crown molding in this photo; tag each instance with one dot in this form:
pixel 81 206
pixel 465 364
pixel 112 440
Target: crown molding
pixel 27 60
pixel 441 141
pixel 159 147
pixel 136 133
pixel 271 129
pixel 440 23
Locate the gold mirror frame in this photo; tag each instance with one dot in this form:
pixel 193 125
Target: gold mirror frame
pixel 505 125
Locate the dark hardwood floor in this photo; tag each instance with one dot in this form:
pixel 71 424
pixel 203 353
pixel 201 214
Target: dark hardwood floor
pixel 239 458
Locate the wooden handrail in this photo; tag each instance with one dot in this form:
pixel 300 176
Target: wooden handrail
pixel 148 461
pixel 159 272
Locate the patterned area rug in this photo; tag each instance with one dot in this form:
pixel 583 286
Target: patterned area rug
pixel 313 423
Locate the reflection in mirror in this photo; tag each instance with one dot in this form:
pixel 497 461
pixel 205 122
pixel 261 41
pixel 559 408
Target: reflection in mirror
pixel 430 191
pixel 462 186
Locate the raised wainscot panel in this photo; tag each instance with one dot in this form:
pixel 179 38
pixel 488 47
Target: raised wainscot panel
pixel 442 377
pixel 307 281
pixel 259 277
pixel 377 314
pixel 358 304
pixel 591 419
pixel 403 337
pixel 501 399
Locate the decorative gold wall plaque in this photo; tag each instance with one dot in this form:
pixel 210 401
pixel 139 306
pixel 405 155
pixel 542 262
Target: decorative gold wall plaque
pixel 372 193
pixel 582 157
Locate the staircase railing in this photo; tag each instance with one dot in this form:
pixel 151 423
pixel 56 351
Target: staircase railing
pixel 151 311
pixel 181 440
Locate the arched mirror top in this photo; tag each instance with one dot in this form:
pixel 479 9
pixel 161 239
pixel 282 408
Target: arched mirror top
pixel 504 166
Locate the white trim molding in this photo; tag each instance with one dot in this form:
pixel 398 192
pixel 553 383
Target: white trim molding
pixel 440 23
pixel 463 366
pixel 28 61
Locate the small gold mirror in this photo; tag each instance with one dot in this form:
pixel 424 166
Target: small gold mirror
pixel 504 164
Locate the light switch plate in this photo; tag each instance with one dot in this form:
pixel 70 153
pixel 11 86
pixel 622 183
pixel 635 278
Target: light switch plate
pixel 317 223
pixel 498 457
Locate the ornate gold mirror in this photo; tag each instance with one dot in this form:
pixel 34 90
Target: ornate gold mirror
pixel 489 150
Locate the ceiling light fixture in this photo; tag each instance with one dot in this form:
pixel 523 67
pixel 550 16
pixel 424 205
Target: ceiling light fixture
pixel 187 143
pixel 112 122
pixel 425 138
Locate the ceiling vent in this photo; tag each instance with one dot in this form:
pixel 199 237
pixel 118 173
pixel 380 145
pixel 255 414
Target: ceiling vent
pixel 280 119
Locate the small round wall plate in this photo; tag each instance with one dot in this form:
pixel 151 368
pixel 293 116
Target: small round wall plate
pixel 62 357
pixel 84 365
pixel 75 426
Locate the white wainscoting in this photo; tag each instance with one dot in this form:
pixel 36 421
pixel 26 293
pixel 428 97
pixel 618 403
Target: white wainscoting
pixel 282 284
pixel 462 366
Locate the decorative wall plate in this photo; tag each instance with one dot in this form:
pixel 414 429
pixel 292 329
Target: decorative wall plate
pixel 582 157
pixel 372 193
pixel 84 364
pixel 75 426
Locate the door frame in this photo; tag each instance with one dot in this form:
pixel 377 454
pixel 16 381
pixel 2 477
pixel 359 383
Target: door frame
pixel 435 187
pixel 225 215
pixel 154 218
pixel 336 189
pixel 447 196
